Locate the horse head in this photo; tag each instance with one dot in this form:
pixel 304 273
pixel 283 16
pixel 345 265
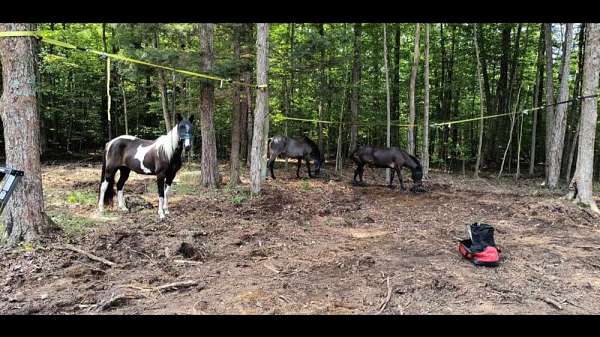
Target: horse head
pixel 185 130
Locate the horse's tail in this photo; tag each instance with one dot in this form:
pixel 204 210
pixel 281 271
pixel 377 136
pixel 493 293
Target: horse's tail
pixel 109 193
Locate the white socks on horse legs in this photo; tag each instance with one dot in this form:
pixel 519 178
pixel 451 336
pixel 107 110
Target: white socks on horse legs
pixel 165 204
pixel 121 201
pixel 161 213
pixel 103 188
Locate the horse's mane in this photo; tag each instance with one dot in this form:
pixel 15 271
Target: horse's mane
pixel 168 143
pixel 417 162
pixel 312 145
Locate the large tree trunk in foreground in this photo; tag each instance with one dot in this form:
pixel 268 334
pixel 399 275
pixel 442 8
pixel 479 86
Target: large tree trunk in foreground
pixel 262 106
pixel 24 217
pixel 581 185
pixel 425 149
pixel 557 141
pixel 355 88
pixel 411 93
pixel 209 167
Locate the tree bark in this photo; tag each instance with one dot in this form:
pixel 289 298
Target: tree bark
pixel 124 107
pixel 411 94
pixel 262 106
pixel 355 88
pixel 234 157
pixel 323 84
pixel 24 218
pixel 162 87
pixel 549 94
pixel 395 86
pixel 209 166
pixel 107 97
pixel 560 116
pixel 481 104
pixel 581 185
pixel 537 99
pixel 387 91
pixel 425 149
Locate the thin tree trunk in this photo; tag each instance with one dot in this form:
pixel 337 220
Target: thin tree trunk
pixel 549 94
pixel 425 149
pixel 395 85
pixel 537 99
pixel 323 85
pixel 512 125
pixel 124 106
pixel 582 183
pixel 411 93
pixel 560 116
pixel 262 107
pixel 162 87
pixel 234 157
pixel 387 91
pixel 481 104
pixel 108 119
pixel 355 88
pixel 24 217
pixel 209 166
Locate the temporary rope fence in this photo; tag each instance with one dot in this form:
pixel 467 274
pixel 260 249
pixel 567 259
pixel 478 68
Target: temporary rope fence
pixel 43 38
pixel 433 125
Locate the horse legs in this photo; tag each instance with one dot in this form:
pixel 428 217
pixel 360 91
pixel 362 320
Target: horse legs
pixel 106 188
pixel 298 168
pixel 168 182
pixel 120 184
pixel 271 165
pixel 391 185
pixel 160 182
pixel 308 168
pixel 399 171
pixel 358 172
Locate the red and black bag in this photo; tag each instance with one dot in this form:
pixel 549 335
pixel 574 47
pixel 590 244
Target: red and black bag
pixel 480 248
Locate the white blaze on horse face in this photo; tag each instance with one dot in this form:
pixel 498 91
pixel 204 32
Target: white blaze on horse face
pixel 186 143
pixel 140 154
pixel 103 188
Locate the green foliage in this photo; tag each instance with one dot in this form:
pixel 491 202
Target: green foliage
pixel 72 224
pixel 82 198
pixel 305 185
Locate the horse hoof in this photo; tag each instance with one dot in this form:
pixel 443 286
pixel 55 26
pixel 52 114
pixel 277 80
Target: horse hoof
pixel 166 212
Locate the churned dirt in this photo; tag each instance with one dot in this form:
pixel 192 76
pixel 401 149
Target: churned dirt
pixel 317 246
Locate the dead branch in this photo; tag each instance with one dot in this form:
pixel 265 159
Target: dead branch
pixel 187 262
pixel 271 268
pixel 89 255
pixel 551 302
pixel 387 299
pixel 177 285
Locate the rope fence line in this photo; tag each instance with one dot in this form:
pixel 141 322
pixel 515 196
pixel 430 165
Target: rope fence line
pixel 438 124
pixel 41 37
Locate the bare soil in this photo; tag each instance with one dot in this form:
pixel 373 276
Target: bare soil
pixel 317 246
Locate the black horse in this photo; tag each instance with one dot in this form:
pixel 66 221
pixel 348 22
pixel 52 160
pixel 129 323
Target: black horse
pixel 393 158
pixel 160 157
pixel 285 147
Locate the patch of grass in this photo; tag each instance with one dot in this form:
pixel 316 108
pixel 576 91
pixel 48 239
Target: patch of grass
pixel 82 198
pixel 237 194
pixel 2 233
pixel 305 185
pixel 71 224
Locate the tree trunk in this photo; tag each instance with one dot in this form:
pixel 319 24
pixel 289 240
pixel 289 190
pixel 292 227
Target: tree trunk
pixel 425 149
pixel 395 87
pixel 234 157
pixel 537 98
pixel 323 84
pixel 582 183
pixel 24 217
pixel 560 116
pixel 411 94
pixel 355 88
pixel 262 106
pixel 107 99
pixel 387 91
pixel 549 94
pixel 481 103
pixel 124 106
pixel 209 166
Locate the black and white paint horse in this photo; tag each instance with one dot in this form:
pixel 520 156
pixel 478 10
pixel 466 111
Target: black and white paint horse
pixel 160 157
pixel 303 148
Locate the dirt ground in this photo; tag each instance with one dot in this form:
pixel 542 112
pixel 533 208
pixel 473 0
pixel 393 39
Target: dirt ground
pixel 316 246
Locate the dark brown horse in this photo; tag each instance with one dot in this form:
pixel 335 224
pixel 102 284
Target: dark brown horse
pixel 393 158
pixel 303 148
pixel 160 157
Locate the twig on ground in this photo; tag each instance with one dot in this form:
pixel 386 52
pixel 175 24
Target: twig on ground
pixel 177 285
pixel 89 255
pixel 187 262
pixel 551 302
pixel 271 268
pixel 387 299
pixel 112 301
